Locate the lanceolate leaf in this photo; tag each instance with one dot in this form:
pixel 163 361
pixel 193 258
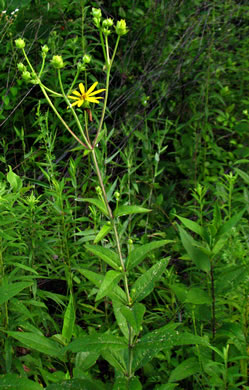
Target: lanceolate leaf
pixel 13 382
pixel 116 293
pixel 200 259
pixel 134 315
pixel 139 253
pixel 96 202
pixel 164 338
pixel 117 359
pixel 187 368
pixel 39 343
pixel 191 225
pixel 78 384
pixel 102 233
pixel 97 343
pixel 110 281
pixel 243 175
pixel 120 318
pixel 105 254
pixel 10 290
pixel 144 285
pixel 126 210
pixel 127 384
pixel 69 320
pixel 230 224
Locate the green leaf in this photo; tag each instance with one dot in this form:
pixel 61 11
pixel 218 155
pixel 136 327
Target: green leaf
pixel 144 285
pixel 105 254
pixel 164 338
pixel 69 320
pixel 192 225
pixel 243 175
pixel 14 180
pixel 85 360
pixel 198 296
pixel 116 293
pixel 127 210
pixel 134 315
pixel 110 280
pixel 14 382
pixel 149 345
pixel 187 368
pixel 200 259
pixel 97 343
pixel 102 233
pixel 117 359
pixel 230 224
pixel 78 384
pixel 10 290
pixel 120 318
pixel 139 253
pixel 96 202
pixel 168 386
pixel 127 384
pixel 39 343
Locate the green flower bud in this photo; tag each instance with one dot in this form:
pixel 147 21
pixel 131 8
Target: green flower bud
pixel 117 195
pixel 86 59
pixel 130 242
pixel 81 67
pixel 121 28
pixel 96 21
pixel 26 75
pixel 107 22
pixel 45 49
pixel 20 44
pixel 96 12
pixel 57 62
pixel 34 81
pixel 106 31
pixel 21 67
pixel 108 223
pixel 98 190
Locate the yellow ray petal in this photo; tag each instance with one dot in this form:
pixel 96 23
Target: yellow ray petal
pixel 95 92
pixel 73 97
pixel 82 89
pixel 76 93
pixel 92 88
pixel 74 104
pixel 80 102
pixel 94 99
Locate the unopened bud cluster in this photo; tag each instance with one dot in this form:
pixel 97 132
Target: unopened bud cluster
pixel 105 26
pixel 57 62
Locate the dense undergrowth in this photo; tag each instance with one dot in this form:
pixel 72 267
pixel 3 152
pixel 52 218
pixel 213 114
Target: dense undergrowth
pixel 175 142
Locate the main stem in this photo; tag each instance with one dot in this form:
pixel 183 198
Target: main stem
pixel 113 223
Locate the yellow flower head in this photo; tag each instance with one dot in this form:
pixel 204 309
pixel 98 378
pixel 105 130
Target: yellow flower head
pixel 86 96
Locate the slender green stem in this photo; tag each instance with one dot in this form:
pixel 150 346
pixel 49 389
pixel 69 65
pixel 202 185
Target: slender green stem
pixel 61 119
pixel 74 113
pixel 108 66
pixel 103 45
pixel 104 107
pixel 51 91
pixel 74 81
pixel 43 64
pixel 115 50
